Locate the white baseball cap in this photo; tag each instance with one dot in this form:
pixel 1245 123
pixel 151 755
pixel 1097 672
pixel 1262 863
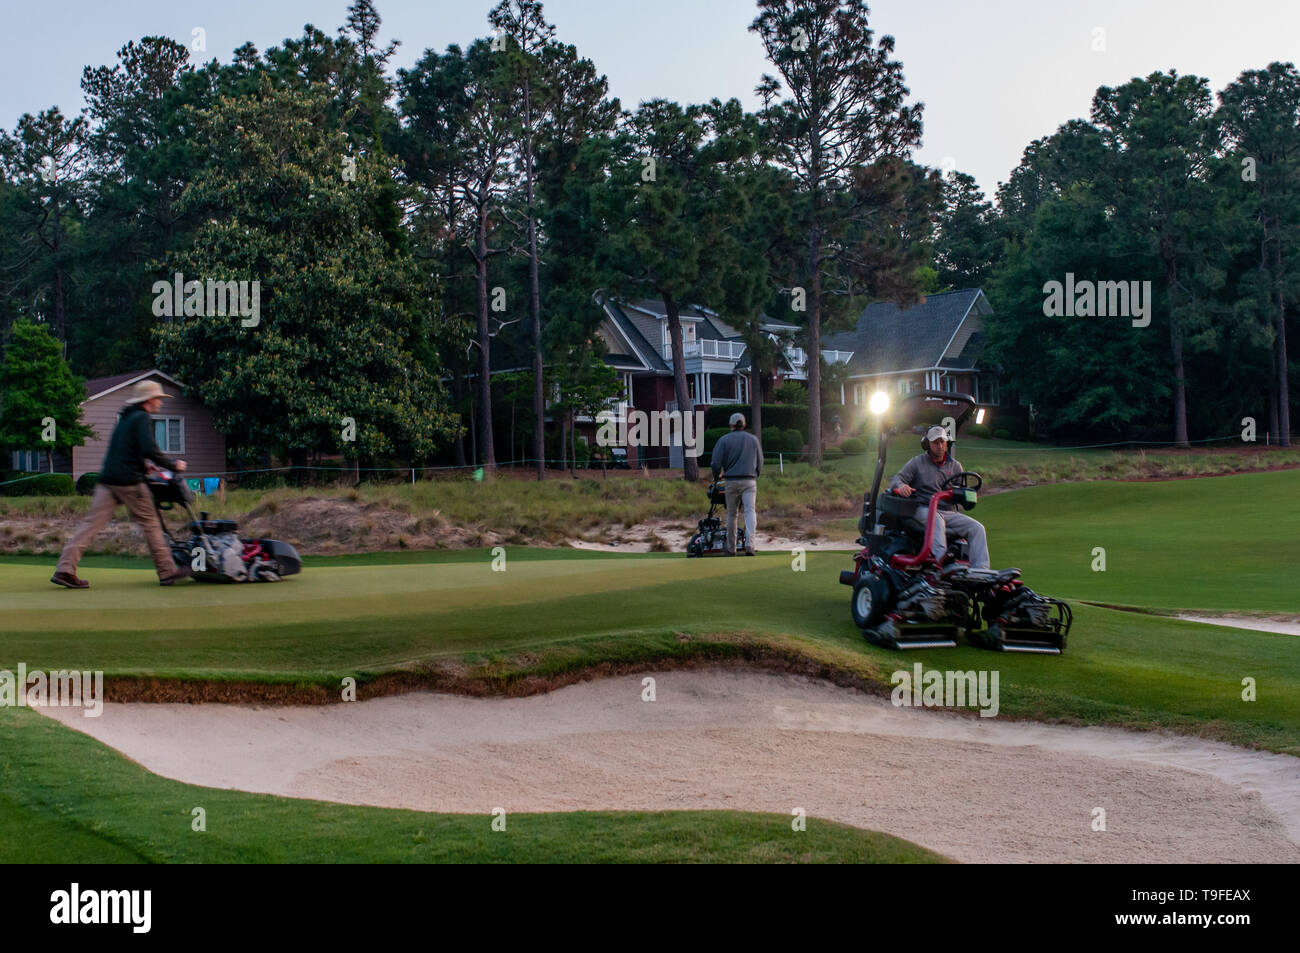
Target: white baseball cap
pixel 936 433
pixel 737 419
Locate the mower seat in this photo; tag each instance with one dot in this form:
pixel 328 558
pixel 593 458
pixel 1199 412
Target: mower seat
pixel 903 513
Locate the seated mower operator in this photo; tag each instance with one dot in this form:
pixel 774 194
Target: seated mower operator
pixel 924 475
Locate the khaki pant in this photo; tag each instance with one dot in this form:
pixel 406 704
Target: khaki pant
pixel 139 505
pixel 741 490
pixel 961 525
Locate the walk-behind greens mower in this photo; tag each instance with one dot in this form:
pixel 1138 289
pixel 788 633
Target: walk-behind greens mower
pixel 215 552
pixel 903 598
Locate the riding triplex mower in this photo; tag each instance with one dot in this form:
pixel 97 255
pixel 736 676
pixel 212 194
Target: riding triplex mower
pixel 903 598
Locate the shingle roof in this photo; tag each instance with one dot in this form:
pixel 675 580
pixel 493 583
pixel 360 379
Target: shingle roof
pixel 640 329
pixel 887 338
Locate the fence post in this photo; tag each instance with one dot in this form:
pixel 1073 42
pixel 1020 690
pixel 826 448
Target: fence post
pixel 780 461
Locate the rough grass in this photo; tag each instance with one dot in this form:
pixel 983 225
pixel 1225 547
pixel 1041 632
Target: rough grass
pixel 455 512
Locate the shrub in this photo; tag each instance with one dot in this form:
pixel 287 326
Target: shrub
pixel 45 484
pixel 832 453
pixel 791 392
pixel 774 415
pixel 853 446
pixel 978 430
pixel 1001 434
pixel 712 436
pixel 1016 428
pixel 773 440
pixel 795 440
pixel 86 483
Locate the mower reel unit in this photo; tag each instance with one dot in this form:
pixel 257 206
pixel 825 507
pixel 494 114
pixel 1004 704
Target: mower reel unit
pixel 904 599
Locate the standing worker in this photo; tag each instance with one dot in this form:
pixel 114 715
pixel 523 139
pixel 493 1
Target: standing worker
pixel 740 456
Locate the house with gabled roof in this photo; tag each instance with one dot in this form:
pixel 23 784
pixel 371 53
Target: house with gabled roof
pixel 934 345
pixel 183 428
pixel 717 368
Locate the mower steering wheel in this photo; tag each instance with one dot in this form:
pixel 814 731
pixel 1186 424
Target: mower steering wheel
pixel 965 477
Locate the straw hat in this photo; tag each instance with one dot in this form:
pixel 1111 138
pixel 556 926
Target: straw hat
pixel 146 390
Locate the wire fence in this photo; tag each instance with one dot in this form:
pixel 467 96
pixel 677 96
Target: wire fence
pixel 775 456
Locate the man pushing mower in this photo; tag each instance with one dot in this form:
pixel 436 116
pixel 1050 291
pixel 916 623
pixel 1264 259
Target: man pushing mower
pixel 122 481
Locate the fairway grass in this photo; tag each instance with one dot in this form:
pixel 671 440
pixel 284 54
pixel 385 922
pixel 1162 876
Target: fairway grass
pixel 449 620
pixel 65 798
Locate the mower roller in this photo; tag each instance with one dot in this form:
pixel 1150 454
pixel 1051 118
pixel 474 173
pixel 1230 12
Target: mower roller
pixel 215 546
pixel 904 599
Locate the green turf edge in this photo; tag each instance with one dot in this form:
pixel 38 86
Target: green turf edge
pixel 1135 671
pixel 66 798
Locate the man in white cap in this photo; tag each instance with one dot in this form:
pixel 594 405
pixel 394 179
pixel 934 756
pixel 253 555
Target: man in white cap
pixel 739 455
pixel 924 475
pixel 121 481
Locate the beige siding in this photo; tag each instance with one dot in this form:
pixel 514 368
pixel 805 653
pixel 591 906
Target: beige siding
pixel 204 448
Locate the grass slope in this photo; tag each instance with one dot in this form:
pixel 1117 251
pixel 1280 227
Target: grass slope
pixel 65 798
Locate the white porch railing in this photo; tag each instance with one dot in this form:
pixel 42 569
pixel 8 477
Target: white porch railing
pixel 798 357
pixel 711 350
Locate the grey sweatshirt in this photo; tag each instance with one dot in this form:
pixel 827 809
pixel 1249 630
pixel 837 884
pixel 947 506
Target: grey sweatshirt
pixel 921 474
pixel 738 454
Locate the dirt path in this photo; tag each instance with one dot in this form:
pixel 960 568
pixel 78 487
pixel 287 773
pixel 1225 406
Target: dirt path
pixel 974 789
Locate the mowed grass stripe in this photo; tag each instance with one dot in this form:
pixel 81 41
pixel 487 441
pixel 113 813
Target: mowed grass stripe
pixel 118 597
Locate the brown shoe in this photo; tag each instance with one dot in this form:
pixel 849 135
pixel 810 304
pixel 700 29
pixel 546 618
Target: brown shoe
pixel 182 572
pixel 69 581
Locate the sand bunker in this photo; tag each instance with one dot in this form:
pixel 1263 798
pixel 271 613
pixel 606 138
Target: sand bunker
pixel 974 789
pixel 1283 626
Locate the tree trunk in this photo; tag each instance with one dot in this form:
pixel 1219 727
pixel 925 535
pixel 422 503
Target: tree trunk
pixel 564 441
pixel 473 433
pixel 1272 397
pixel 60 320
pixel 756 399
pixel 815 348
pixel 1283 390
pixel 458 395
pixel 690 465
pixel 484 340
pixel 534 296
pixel 573 443
pixel 1176 350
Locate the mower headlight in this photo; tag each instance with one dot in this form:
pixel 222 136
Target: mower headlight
pixel 879 403
pixel 979 416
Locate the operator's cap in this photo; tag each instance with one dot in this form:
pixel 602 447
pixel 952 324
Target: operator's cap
pixel 936 433
pixel 737 419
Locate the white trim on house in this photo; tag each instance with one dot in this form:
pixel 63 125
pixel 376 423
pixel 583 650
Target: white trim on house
pixel 916 370
pixel 135 380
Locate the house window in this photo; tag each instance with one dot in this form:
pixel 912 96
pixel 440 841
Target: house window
pixel 989 391
pixel 169 434
pixel 931 380
pixel 688 333
pixel 27 461
pixel 949 383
